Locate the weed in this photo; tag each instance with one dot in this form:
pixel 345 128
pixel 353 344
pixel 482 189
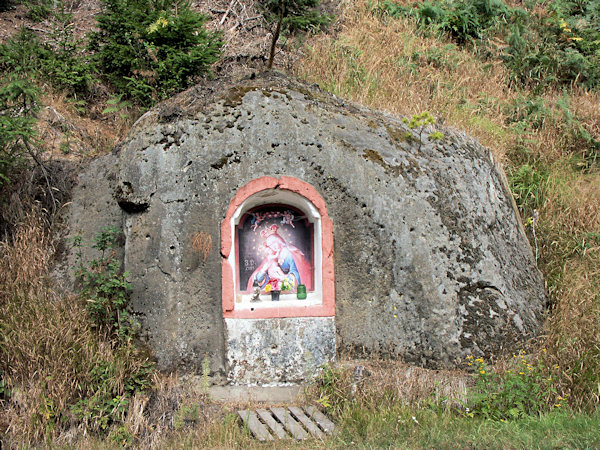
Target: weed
pixel 419 122
pixel 106 288
pixel 117 106
pixel 51 353
pixel 528 186
pixel 525 388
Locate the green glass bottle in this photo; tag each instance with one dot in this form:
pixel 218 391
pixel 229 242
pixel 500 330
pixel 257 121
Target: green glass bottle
pixel 301 292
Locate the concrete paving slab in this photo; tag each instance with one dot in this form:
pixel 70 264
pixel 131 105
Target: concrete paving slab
pixel 267 394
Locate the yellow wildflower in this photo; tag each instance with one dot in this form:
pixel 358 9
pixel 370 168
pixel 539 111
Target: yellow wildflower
pixel 482 372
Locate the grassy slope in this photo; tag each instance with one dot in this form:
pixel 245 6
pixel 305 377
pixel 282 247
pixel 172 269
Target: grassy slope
pixel 371 61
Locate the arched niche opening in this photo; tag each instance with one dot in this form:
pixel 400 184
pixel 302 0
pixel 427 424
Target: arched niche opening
pixel 276 235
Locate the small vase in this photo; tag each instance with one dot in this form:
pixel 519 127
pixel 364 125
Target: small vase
pixel 275 296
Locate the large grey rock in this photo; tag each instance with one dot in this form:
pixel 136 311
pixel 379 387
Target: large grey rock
pixel 431 262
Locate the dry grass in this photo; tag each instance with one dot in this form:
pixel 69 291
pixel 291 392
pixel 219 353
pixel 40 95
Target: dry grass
pixel 48 345
pixel 410 385
pixel 67 134
pixel 386 64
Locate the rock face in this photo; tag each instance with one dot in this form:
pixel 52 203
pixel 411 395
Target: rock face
pixel 431 263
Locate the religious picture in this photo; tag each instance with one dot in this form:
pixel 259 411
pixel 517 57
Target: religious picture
pixel 275 250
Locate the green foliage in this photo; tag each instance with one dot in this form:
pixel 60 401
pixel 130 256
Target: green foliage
pixel 18 109
pixel 22 54
pixel 66 64
pixel 331 384
pixel 528 186
pixel 532 112
pixel 152 49
pixel 464 20
pixel 60 61
pixel 582 144
pixel 117 106
pixel 109 392
pixel 105 287
pixel 106 291
pixel 525 389
pixel 298 15
pixel 559 47
pixel 38 10
pixel 419 122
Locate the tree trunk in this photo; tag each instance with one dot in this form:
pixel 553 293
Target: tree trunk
pixel 276 35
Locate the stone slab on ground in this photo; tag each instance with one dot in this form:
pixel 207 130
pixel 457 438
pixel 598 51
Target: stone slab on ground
pixel 266 394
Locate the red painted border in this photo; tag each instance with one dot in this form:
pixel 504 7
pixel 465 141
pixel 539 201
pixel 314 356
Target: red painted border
pixel 327 309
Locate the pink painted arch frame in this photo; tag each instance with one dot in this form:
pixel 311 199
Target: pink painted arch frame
pixel 228 294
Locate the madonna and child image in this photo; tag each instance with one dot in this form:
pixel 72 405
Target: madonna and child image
pixel 275 250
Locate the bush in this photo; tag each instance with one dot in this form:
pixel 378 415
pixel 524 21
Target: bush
pixel 105 288
pixel 60 61
pixel 152 49
pixel 298 15
pixel 524 389
pixel 67 66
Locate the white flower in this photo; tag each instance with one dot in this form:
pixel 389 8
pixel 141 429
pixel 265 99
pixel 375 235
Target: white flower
pixel 415 419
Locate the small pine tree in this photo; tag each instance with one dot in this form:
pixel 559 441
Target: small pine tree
pixel 18 109
pixel 150 49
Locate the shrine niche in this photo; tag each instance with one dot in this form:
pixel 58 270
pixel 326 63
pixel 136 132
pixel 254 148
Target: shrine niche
pixel 277 282
pixel 274 236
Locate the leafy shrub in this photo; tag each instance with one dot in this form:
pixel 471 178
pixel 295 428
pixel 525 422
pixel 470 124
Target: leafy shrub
pixel 22 54
pixel 419 122
pixel 38 10
pixel 152 49
pixel 524 389
pixel 105 287
pixel 60 61
pixel 66 64
pixel 464 20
